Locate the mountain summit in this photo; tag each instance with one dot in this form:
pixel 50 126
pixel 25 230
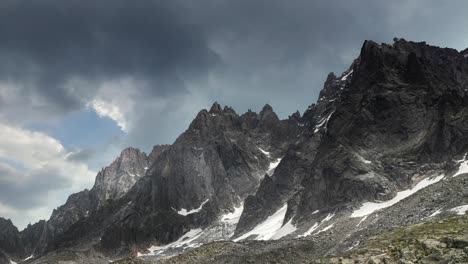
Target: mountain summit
pixel 383 147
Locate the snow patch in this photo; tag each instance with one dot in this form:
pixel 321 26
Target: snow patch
pixel 460 210
pixel 316 225
pixel 12 262
pixel 285 230
pixel 328 218
pixel 272 166
pixel 184 211
pixel 264 152
pixel 268 228
pixel 368 208
pixel 146 168
pixel 326 228
pixel 184 241
pixel 323 121
pixel 463 168
pixel 346 75
pixel 233 217
pixel 362 220
pixel 363 160
pixel 316 211
pixel 438 211
pixel 310 231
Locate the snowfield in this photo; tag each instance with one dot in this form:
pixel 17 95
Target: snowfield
pixel 460 210
pixel 184 211
pixel 272 167
pixel 233 217
pixel 368 208
pixel 270 227
pixel 185 241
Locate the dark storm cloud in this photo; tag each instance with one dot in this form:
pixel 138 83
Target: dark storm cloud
pixel 23 192
pixel 245 45
pixel 47 43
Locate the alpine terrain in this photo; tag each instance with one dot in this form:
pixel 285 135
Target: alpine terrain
pixel 376 171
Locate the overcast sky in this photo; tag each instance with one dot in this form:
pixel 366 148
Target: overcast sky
pixel 80 80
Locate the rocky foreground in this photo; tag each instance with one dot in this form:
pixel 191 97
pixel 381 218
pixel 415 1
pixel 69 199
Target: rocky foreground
pixel 437 241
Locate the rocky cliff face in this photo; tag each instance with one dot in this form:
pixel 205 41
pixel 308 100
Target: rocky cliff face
pixel 10 241
pixel 205 174
pixel 111 183
pixel 115 180
pixel 398 114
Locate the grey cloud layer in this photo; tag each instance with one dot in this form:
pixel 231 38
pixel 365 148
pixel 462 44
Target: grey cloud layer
pixel 28 191
pixel 47 43
pixel 264 46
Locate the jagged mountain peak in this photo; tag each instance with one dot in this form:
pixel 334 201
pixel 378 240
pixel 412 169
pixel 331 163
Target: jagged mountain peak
pixel 398 108
pixel 268 117
pixel 215 108
pixel 116 179
pixel 266 109
pixel 6 221
pixel 130 153
pixel 464 53
pixel 296 116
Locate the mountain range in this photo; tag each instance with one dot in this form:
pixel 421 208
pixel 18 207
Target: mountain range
pixel 384 147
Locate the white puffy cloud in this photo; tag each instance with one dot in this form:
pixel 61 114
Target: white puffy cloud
pixel 112 111
pixel 36 174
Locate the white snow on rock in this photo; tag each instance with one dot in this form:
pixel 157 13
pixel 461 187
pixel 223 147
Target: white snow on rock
pixel 436 212
pixel 233 217
pixel 268 228
pixel 264 152
pixel 346 76
pixel 326 228
pixel 316 211
pixel 185 241
pixel 285 230
pixel 460 210
pixel 362 220
pixel 317 225
pixel 12 262
pixel 273 165
pixel 184 211
pixel 310 231
pixel 368 208
pixel 328 218
pixel 463 168
pixel 362 159
pixel 323 122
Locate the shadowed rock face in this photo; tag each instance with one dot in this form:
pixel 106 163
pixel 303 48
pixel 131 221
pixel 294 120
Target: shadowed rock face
pixel 10 240
pixel 111 183
pixel 398 112
pixel 218 161
pixel 16 245
pixel 31 236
